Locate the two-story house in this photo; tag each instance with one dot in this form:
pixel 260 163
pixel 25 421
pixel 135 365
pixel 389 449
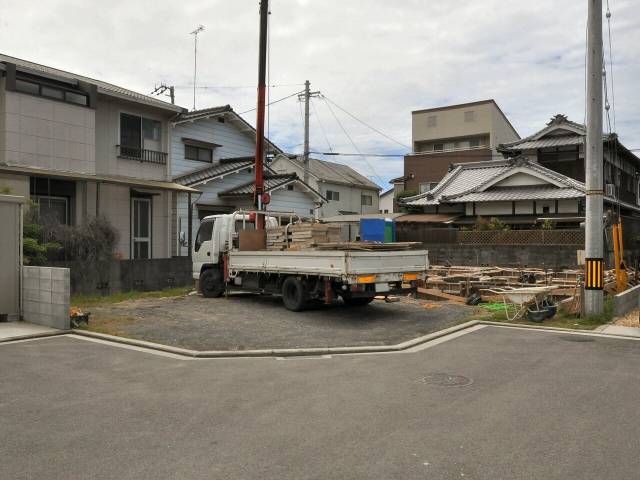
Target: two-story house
pixel 213 150
pixel 80 147
pixel 347 191
pixel 469 132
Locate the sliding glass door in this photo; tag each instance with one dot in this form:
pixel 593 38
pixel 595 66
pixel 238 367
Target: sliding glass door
pixel 141 227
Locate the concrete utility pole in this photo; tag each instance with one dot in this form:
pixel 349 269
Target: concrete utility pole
pixel 307 97
pixel 594 265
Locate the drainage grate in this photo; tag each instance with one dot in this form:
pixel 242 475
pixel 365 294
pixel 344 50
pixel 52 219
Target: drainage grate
pixel 577 338
pixel 446 380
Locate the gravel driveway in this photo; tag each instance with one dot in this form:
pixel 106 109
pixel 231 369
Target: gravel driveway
pixel 243 322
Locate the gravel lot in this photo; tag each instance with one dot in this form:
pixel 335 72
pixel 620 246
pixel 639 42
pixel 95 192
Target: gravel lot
pixel 243 322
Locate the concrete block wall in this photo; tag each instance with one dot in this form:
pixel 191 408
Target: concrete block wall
pixel 45 296
pixel 626 301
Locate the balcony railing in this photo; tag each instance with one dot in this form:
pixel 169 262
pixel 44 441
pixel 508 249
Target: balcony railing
pixel 142 155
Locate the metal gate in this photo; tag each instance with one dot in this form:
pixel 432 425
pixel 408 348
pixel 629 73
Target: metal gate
pixel 10 256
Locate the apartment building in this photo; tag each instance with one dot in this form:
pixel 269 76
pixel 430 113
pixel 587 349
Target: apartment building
pixel 80 147
pixel 442 136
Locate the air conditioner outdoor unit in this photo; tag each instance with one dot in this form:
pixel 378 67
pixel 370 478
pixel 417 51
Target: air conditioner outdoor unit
pixel 610 190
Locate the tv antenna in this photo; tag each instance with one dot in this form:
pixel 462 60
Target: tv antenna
pixel 195 33
pixel 160 89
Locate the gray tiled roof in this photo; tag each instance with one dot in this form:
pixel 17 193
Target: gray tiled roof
pixel 221 167
pixel 332 172
pixel 205 112
pixel 270 182
pixel 464 184
pixel 103 87
pixel 521 193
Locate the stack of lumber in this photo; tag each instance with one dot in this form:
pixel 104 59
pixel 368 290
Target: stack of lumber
pixel 276 239
pixel 302 236
pixel 462 281
pixel 308 235
pixel 368 246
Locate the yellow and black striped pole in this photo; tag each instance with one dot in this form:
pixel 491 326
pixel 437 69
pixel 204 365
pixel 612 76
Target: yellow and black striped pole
pixel 594 274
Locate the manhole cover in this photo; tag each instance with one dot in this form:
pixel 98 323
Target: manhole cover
pixel 446 380
pixel 577 338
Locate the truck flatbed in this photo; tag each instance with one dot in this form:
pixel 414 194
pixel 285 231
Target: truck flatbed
pixel 343 264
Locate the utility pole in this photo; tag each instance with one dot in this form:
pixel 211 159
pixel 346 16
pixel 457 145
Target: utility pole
pixel 594 252
pixel 195 33
pixel 306 96
pixel 262 73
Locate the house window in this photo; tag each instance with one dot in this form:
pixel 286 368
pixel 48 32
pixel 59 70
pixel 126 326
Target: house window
pixel 438 147
pixel 331 195
pixel 474 143
pixel 546 209
pixel 200 154
pixel 470 116
pixel 141 227
pixel 366 200
pixel 425 187
pixel 53 92
pixel 138 133
pixel 52 210
pixel 432 121
pixel 290 187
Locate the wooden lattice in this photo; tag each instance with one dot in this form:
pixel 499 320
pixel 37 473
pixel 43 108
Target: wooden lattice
pixel 522 237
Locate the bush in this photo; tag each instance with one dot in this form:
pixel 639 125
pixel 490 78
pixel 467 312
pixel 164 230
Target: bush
pixel 93 240
pixel 547 224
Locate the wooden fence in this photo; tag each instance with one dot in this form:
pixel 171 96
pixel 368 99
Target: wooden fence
pixel 521 237
pixel 451 236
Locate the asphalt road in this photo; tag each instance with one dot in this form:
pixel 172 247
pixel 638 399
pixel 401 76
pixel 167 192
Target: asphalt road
pixel 533 405
pixel 243 322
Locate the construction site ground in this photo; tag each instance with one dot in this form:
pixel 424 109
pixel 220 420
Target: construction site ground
pixel 245 322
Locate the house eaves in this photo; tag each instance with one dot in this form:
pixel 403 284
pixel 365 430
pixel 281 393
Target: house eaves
pixel 272 182
pixel 103 88
pixel 221 168
pixel 112 179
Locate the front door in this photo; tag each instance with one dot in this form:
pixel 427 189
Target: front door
pixel 141 227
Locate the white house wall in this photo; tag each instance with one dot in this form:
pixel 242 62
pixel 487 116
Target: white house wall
pixel 108 137
pixel 234 143
pixel 568 206
pixel 38 132
pixel 493 208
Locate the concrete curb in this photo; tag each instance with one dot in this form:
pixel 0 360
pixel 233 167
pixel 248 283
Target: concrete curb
pixel 595 331
pixel 276 352
pixel 31 336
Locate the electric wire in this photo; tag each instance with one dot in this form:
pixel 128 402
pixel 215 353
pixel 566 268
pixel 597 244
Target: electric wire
pixel 324 133
pixel 373 170
pixel 365 123
pixel 272 103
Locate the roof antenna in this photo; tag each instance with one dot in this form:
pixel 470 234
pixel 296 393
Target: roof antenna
pixel 195 33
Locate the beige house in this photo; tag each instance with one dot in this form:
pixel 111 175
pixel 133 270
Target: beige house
pixel 469 132
pixel 347 192
pixel 80 147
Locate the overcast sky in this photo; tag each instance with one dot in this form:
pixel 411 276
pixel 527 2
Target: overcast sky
pixel 377 59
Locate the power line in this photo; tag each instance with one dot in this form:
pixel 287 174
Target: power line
pixel 324 133
pixel 366 124
pixel 271 103
pixel 613 95
pixel 351 139
pixel 240 86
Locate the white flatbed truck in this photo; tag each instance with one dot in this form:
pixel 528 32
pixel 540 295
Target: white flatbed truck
pixel 303 278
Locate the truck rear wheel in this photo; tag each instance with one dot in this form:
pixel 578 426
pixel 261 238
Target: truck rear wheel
pixel 211 283
pixel 294 294
pixel 357 302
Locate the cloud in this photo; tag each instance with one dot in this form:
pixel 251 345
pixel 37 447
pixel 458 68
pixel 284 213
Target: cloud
pixel 378 59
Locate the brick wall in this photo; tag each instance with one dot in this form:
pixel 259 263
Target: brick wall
pixel 45 296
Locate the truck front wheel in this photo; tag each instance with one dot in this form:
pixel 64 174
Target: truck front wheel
pixel 211 283
pixel 294 294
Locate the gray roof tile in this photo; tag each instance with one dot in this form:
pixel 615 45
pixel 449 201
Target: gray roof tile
pixel 210 172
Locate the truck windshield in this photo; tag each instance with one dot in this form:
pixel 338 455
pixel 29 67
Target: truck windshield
pixel 204 234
